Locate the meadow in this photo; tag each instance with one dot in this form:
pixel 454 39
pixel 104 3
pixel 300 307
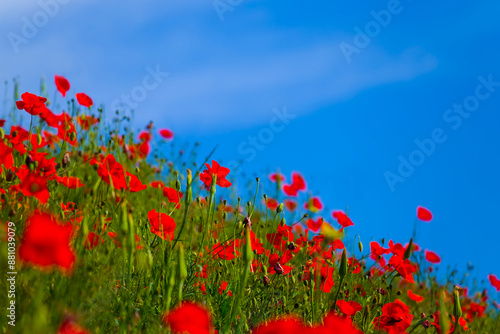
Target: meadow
pixel 109 230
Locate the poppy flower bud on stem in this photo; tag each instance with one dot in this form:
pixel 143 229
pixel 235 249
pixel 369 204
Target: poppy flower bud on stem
pixel 343 264
pixel 408 250
pixel 443 319
pixel 279 209
pixel 457 309
pixel 360 246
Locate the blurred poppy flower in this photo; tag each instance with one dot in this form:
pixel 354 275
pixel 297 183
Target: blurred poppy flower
pixel 314 205
pixel 291 205
pixel 161 224
pixel 62 85
pixel 424 214
pixel 84 100
pixel 71 182
pixel 70 327
pixel 432 257
pixel 167 134
pixel 32 103
pixel 437 325
pixel 272 204
pixel 415 297
pixel 46 242
pixel 495 282
pixel 188 318
pixel 315 225
pixel 86 122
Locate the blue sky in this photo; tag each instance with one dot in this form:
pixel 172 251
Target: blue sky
pixel 352 118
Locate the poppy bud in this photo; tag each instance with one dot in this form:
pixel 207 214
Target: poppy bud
pixel 182 264
pixel 266 280
pixel 291 246
pixel 66 160
pixel 279 209
pixel 39 139
pixel 457 309
pixel 177 185
pixel 2 133
pixel 72 136
pixel 408 250
pixel 343 264
pixel 224 215
pixel 283 222
pixel 426 324
pixel 247 250
pixel 360 246
pixel 247 222
pixel 279 269
pixel 137 169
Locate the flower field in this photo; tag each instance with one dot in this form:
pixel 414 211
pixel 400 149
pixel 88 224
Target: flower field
pixel 107 230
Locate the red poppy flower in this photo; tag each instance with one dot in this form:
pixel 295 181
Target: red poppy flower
pixel 342 218
pixel 404 267
pixel 284 325
pixel 134 184
pixel 227 250
pixel 272 204
pixel 111 172
pixel 6 157
pixel 395 318
pixel 46 242
pixel 424 214
pixel 298 184
pixel 70 327
pixel 71 182
pixel 84 100
pixel 315 225
pixel 314 205
pixel 495 282
pixel 221 172
pixel 173 196
pixel 32 103
pixel 167 134
pixel 415 297
pixel 93 240
pixel 161 224
pixel 67 130
pixel 223 288
pixel 35 185
pixel 327 279
pixel 62 84
pixel 291 205
pixel 432 257
pixel 335 324
pixel 276 177
pixel 349 308
pixel 86 122
pixel 157 184
pixel 377 250
pixel 436 324
pixel 188 318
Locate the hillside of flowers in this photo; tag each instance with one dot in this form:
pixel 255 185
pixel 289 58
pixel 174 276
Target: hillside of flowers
pixel 106 229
